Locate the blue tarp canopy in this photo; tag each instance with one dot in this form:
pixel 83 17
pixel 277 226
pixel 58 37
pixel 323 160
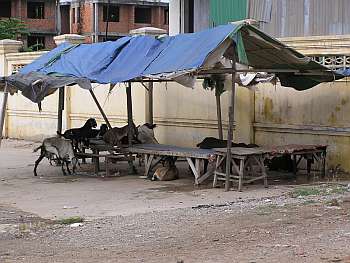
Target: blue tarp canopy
pixel 131 57
pixel 169 57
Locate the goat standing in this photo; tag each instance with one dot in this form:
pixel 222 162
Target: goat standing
pixel 59 147
pixel 78 135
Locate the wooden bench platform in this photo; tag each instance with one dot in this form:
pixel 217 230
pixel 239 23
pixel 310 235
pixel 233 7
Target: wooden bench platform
pixel 150 151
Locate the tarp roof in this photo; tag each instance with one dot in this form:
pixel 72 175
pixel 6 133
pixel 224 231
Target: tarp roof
pixel 137 57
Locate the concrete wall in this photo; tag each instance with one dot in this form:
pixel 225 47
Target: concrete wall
pixel 316 116
pixel 183 115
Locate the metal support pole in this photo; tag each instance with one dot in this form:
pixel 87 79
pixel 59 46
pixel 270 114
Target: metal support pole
pixel 132 169
pixel 231 117
pixel 218 113
pixel 3 111
pixel 100 109
pixel 149 104
pixel 60 109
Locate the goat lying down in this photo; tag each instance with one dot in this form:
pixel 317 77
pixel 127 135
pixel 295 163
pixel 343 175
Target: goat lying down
pixel 59 148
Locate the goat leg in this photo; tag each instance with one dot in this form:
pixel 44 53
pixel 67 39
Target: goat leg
pixel 42 155
pixel 67 165
pixel 62 167
pixel 75 161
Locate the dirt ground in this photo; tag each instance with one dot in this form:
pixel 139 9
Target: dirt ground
pixel 128 219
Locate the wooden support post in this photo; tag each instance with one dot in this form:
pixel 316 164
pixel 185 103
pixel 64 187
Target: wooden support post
pixel 129 106
pixel 100 109
pixel 231 113
pixel 60 109
pixel 3 111
pixel 149 103
pixel 218 114
pixel 132 169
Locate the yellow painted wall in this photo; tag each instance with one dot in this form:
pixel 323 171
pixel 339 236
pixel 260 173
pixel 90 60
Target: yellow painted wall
pixel 316 116
pixel 184 116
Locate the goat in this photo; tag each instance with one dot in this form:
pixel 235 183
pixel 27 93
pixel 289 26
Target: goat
pixel 118 136
pixel 94 133
pixel 57 148
pixel 146 133
pixel 211 142
pixel 167 172
pixel 78 135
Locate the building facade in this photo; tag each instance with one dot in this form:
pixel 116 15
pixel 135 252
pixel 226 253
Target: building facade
pixel 46 19
pixel 90 18
pixel 39 16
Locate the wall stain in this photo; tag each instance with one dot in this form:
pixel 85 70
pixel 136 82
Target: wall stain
pixel 268 109
pixel 332 119
pixel 344 101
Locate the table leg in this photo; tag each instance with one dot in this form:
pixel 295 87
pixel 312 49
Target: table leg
pixel 107 166
pixel 323 172
pixel 240 175
pixel 148 164
pixel 194 169
pixel 96 162
pixel 308 166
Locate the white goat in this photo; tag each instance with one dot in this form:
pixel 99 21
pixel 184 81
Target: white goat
pixel 57 147
pixel 146 134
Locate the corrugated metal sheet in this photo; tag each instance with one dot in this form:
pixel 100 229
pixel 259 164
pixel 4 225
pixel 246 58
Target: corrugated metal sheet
pixel 201 15
pixel 287 18
pixel 224 11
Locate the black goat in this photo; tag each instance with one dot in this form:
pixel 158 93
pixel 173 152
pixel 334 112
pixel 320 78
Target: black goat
pixel 98 132
pixel 78 135
pixel 211 143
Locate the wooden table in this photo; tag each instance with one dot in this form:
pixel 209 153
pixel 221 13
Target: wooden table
pixel 114 153
pixel 248 163
pixel 150 151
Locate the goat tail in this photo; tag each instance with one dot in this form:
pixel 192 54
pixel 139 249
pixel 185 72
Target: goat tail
pixel 37 149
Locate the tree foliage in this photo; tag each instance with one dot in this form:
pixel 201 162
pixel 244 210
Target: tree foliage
pixel 11 28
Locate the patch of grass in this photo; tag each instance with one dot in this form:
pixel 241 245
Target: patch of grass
pixel 70 220
pixel 319 190
pixel 306 191
pixel 266 209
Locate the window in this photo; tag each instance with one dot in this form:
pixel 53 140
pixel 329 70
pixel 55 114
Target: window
pixel 143 15
pixel 113 13
pixel 73 15
pixel 166 16
pixel 78 15
pixel 5 10
pixel 36 42
pixel 36 10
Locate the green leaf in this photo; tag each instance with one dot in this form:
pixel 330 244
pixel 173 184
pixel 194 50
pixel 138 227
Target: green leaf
pixel 12 28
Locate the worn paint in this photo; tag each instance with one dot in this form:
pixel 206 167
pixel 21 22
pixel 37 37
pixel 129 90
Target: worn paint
pixel 268 109
pixel 332 119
